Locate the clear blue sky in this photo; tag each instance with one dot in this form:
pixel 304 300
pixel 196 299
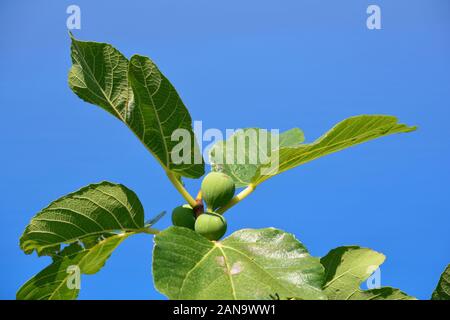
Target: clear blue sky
pixel 270 64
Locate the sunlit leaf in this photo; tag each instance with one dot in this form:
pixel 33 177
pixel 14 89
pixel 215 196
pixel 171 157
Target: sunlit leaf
pixel 345 270
pixel 249 264
pixel 290 154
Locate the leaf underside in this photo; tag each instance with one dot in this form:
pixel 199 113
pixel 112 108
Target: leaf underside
pixel 249 264
pixel 345 270
pixel 350 132
pixel 90 223
pixel 92 211
pixel 139 95
pixel 83 228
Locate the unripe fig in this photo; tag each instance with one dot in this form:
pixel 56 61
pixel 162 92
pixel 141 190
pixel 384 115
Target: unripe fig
pixel 217 190
pixel 183 216
pixel 211 225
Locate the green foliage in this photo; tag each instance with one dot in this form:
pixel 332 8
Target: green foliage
pixel 136 93
pixel 211 225
pixel 217 190
pixel 442 291
pixel 239 144
pixel 183 216
pixel 92 211
pixel 345 270
pixel 52 282
pixel 90 223
pixel 292 153
pixel 249 264
pixel 82 229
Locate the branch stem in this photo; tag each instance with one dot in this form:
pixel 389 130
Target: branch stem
pixel 150 230
pixel 179 186
pixel 238 198
pixel 147 230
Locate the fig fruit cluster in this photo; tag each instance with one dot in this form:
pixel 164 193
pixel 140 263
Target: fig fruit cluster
pixel 217 190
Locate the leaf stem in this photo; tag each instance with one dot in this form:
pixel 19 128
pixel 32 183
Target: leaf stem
pixel 150 230
pixel 238 198
pixel 179 186
pixel 147 230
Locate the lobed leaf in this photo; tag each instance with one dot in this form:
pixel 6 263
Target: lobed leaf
pixel 139 95
pixel 350 132
pixel 345 270
pixel 249 264
pixel 92 211
pixel 240 159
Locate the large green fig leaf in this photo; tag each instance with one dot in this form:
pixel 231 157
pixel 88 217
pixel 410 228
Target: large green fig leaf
pixel 91 222
pixel 442 291
pixel 139 95
pixel 345 270
pixel 90 212
pixel 237 150
pixel 249 264
pixel 347 133
pixel 55 281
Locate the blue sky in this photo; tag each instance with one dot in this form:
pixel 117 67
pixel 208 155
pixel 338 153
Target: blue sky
pixel 269 64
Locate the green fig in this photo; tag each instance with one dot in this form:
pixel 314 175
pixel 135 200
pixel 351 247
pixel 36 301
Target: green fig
pixel 217 190
pixel 211 225
pixel 183 216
